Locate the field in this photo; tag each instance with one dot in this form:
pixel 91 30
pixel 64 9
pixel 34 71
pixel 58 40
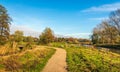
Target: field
pixel 79 58
pixel 92 60
pixel 31 60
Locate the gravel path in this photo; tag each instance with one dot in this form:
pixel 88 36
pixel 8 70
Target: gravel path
pixel 57 63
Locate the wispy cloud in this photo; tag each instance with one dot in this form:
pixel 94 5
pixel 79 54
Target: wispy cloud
pixel 32 22
pixel 30 32
pixel 27 31
pixel 99 18
pixel 103 8
pixel 79 35
pixel 29 25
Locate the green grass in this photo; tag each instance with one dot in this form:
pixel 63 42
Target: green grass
pixel 28 61
pixel 1 66
pixel 58 44
pixel 63 45
pixel 92 60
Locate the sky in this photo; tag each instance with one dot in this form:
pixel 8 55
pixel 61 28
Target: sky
pixel 73 18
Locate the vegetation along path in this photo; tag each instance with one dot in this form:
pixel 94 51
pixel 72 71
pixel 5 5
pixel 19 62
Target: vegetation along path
pixel 57 62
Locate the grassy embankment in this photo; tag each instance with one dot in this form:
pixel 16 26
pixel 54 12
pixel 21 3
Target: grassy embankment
pixel 83 59
pixel 26 61
pixel 92 60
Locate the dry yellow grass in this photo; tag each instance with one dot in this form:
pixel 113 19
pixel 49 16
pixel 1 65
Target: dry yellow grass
pixel 28 58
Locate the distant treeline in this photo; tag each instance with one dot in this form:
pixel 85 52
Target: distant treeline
pixel 108 31
pixel 46 37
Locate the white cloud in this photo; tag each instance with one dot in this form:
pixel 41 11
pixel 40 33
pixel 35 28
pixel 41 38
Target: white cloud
pixel 27 31
pixel 29 25
pixel 28 21
pixel 103 8
pixel 30 32
pixel 99 18
pixel 79 35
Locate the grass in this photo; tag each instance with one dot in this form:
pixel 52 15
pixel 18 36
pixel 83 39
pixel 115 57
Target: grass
pixel 14 47
pixel 58 44
pixel 27 61
pixel 63 45
pixel 92 60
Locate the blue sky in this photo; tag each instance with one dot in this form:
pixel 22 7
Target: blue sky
pixel 74 18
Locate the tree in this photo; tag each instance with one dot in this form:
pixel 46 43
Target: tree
pixel 18 36
pixel 47 36
pixel 29 39
pixel 95 36
pixel 5 22
pixel 104 33
pixel 109 30
pixel 115 19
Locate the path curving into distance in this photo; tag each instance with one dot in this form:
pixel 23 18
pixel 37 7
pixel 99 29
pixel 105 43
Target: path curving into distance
pixel 57 63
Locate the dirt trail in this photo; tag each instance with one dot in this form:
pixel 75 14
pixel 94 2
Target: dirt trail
pixel 57 63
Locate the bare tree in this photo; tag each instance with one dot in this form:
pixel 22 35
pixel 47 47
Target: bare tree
pixel 115 19
pixel 109 30
pixel 104 33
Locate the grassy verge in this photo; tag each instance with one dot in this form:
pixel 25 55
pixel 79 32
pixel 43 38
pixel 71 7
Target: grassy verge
pixel 63 45
pixel 28 61
pixel 58 44
pixel 92 60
